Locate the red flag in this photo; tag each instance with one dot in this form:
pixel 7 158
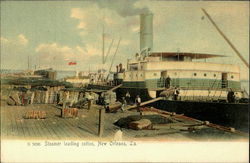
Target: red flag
pixel 72 63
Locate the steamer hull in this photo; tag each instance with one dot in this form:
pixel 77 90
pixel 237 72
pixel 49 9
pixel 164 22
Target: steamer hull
pixel 223 113
pixel 227 114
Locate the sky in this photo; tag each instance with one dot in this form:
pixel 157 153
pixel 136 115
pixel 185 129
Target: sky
pixel 51 34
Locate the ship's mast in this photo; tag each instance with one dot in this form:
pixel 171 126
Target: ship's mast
pixel 28 62
pixel 113 58
pixel 103 43
pixel 227 40
pixel 103 38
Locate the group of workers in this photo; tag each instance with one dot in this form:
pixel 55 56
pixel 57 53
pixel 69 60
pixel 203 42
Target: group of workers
pixel 127 100
pixel 167 82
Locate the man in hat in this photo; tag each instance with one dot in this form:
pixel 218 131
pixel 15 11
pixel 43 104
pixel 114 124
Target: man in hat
pixel 138 102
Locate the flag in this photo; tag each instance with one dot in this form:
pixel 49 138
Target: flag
pixel 71 63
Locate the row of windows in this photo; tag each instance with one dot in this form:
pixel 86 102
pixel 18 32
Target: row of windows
pixel 130 75
pixel 204 74
pixel 155 74
pixel 195 74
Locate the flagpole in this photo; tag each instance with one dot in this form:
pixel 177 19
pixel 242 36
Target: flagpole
pixel 103 44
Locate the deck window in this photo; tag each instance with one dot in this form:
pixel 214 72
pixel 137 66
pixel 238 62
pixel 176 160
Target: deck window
pixel 232 77
pixel 195 74
pixel 205 74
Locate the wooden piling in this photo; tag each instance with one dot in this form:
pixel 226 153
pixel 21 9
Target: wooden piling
pixel 101 122
pixel 90 104
pixel 62 111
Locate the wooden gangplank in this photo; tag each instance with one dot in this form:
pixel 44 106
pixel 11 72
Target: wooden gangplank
pixel 114 88
pixel 145 103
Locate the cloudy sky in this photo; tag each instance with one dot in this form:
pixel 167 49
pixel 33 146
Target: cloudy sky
pixel 55 33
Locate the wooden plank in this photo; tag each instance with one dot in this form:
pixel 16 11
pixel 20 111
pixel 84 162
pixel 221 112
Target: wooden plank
pixel 12 125
pixel 19 123
pixel 45 132
pixel 8 122
pixel 145 103
pixel 53 124
pixel 26 129
pixel 5 123
pixel 88 125
pixel 49 124
pixel 31 124
pixel 69 129
pixel 84 124
pixel 61 129
pixel 64 129
pixel 101 122
pixel 44 125
pixel 114 88
pixel 74 128
pixel 38 128
pixel 73 125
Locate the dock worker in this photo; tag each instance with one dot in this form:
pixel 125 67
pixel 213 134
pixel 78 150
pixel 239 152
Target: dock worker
pixel 231 96
pixel 167 82
pixel 57 98
pixel 162 80
pixel 127 98
pixel 138 102
pixel 106 101
pixel 176 93
pixel 101 99
pixel 90 99
pixel 124 103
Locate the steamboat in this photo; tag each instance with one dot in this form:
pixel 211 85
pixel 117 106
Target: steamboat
pixel 206 90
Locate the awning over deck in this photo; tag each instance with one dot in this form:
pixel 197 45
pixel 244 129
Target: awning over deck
pixel 184 54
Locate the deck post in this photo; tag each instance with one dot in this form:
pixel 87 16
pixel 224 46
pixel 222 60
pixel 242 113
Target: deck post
pixel 62 111
pixel 101 122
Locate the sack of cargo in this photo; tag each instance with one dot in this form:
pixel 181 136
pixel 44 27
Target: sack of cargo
pixel 140 124
pixel 10 101
pixel 15 97
pixel 167 93
pixel 70 112
pixel 35 114
pixel 114 107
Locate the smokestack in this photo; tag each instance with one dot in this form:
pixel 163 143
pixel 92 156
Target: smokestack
pixel 146 31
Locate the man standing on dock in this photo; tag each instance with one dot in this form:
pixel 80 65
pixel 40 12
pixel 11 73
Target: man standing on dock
pixel 167 82
pixel 124 103
pixel 138 102
pixel 127 98
pixel 176 93
pixel 231 96
pixel 90 100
